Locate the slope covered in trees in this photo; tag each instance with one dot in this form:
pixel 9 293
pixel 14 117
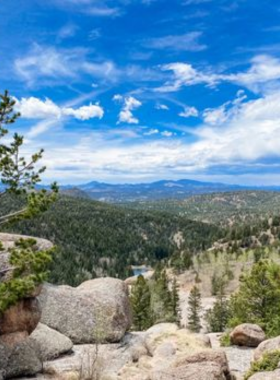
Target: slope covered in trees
pixel 95 238
pixel 227 208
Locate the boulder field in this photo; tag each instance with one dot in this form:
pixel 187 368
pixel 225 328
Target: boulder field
pixel 82 333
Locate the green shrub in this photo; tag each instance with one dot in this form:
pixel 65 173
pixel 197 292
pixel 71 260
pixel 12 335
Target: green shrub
pixel 258 298
pixel 268 362
pixel 30 270
pixel 225 340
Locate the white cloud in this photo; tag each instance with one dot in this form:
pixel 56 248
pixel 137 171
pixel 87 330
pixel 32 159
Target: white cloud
pixel 217 116
pixel 96 8
pixel 34 108
pixel 85 112
pixel 48 64
pixel 167 134
pixel 129 104
pixel 262 76
pixel 104 11
pixel 185 75
pixel 151 132
pixel 189 112
pixel 184 42
pixel 250 133
pixel 67 31
pixel 162 107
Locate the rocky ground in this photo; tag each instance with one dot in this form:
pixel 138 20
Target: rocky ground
pixel 239 358
pixel 58 335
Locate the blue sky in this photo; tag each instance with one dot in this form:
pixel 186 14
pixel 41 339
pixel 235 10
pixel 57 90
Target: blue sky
pixel 141 90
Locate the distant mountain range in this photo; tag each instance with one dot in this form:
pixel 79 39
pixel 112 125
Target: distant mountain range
pixel 165 189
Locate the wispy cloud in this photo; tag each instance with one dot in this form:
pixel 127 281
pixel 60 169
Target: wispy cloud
pixel 185 42
pixel 44 65
pixel 263 75
pixel 96 8
pixel 67 31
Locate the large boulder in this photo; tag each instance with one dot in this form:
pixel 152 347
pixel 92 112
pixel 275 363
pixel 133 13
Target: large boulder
pixel 213 356
pixel 96 310
pixel 107 359
pixel 21 319
pixel 184 341
pixel 51 343
pixel 247 334
pixel 195 371
pixel 8 241
pixel 266 346
pixel 168 348
pixel 21 360
pixel 271 375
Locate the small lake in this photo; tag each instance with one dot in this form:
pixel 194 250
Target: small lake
pixel 139 270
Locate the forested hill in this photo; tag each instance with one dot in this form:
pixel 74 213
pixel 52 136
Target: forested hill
pixel 95 238
pixel 224 209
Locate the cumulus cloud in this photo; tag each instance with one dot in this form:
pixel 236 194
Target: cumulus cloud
pixel 189 112
pixel 227 144
pixel 129 104
pixel 34 108
pixel 263 75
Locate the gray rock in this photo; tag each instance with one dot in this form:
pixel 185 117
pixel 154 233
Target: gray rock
pixel 272 375
pixel 248 335
pixel 208 356
pixel 196 371
pixel 96 310
pixel 50 342
pixel 23 361
pixel 266 346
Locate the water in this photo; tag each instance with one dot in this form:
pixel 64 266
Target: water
pixel 139 270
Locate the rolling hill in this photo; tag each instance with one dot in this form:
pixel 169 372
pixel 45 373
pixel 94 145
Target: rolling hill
pixel 95 238
pixel 225 209
pixel 160 190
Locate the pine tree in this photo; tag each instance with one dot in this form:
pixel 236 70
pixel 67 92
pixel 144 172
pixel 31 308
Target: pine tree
pixel 258 298
pixel 141 304
pixel 217 317
pixel 19 174
pixel 175 302
pixel 162 303
pixel 194 310
pixel 19 177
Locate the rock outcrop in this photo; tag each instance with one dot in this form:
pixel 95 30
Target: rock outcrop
pixel 96 310
pixel 51 343
pixel 19 355
pixel 266 346
pixel 271 375
pixel 248 335
pixel 20 360
pixel 196 371
pixel 19 320
pixel 8 241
